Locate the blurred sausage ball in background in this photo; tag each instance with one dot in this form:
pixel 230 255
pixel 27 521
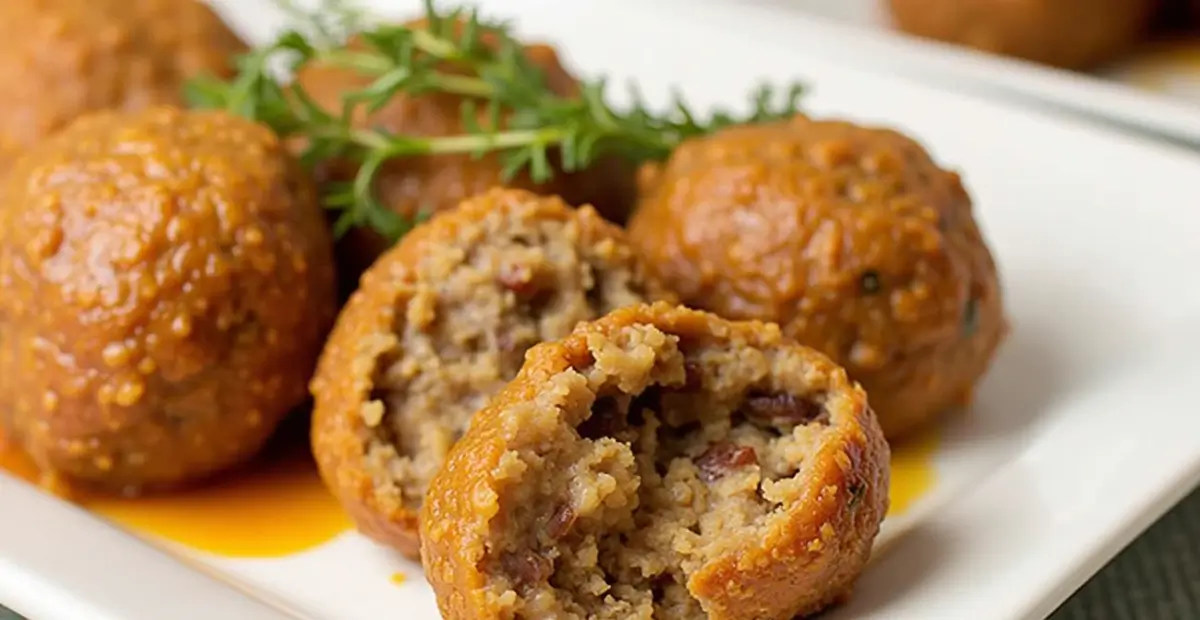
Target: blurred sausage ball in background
pixel 62 58
pixel 1072 34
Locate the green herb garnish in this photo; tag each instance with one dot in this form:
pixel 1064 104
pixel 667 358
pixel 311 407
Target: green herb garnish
pixel 496 80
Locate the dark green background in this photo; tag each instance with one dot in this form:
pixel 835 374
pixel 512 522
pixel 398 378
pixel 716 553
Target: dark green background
pixel 1156 578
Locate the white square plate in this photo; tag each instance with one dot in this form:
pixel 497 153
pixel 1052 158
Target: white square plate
pixel 1084 432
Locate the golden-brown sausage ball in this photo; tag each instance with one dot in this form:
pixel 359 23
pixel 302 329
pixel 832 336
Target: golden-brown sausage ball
pixel 62 58
pixel 1072 34
pixel 168 283
pixel 851 238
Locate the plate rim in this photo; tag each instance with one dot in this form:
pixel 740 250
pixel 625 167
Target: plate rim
pixel 952 67
pixel 1150 506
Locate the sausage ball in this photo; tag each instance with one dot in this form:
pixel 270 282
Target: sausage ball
pixel 440 323
pixel 62 58
pixel 1072 34
pixel 851 238
pixel 168 283
pixel 660 463
pixel 412 185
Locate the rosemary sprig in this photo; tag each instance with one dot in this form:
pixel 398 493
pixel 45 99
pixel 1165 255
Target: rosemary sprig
pixel 491 73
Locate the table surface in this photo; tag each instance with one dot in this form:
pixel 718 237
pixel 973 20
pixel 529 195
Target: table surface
pixel 1155 578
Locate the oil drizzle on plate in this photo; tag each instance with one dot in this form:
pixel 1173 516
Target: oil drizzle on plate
pixel 276 507
pixel 914 471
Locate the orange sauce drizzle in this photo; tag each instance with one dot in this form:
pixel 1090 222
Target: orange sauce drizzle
pixel 276 507
pixel 914 470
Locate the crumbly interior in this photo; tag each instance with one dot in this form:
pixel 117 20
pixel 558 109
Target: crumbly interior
pixel 665 456
pixel 512 281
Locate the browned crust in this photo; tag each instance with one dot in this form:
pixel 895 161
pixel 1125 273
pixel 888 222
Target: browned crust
pixel 343 382
pixel 806 564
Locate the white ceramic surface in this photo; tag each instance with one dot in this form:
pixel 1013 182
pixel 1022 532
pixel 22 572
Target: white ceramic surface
pixel 1082 435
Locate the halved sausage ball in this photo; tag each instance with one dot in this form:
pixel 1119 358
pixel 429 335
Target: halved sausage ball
pixel 1072 34
pixel 167 283
pixel 440 323
pixel 850 237
pixel 660 462
pixel 63 58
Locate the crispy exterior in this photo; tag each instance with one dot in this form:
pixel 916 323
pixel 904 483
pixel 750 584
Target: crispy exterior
pixel 62 58
pixel 1072 34
pixel 851 238
pixel 808 560
pixel 428 184
pixel 168 282
pixel 347 380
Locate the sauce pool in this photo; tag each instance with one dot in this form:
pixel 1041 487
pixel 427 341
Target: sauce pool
pixel 278 506
pixel 914 471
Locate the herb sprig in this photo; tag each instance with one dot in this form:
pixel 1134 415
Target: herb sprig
pixel 507 108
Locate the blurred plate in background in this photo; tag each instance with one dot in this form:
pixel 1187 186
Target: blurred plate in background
pixel 1155 89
